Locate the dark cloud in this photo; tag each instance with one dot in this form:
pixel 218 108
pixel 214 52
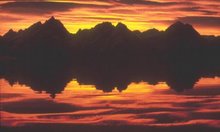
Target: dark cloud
pixel 163 117
pixel 198 9
pixel 201 20
pixel 38 106
pixel 36 127
pixel 35 7
pixel 211 90
pixel 42 7
pixel 144 2
pixel 28 0
pixel 204 21
pixel 10 95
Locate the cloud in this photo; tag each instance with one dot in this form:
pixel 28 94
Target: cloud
pixel 38 106
pixel 205 21
pixel 143 2
pixel 90 18
pixel 5 18
pixel 35 7
pixel 198 9
pixel 41 7
pixel 10 95
pixel 28 0
pixel 137 14
pixel 198 126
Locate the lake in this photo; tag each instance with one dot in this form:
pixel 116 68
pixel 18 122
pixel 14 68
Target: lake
pixel 140 106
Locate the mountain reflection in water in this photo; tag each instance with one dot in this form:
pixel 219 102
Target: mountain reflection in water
pixel 150 96
pixel 105 76
pixel 140 104
pixel 109 76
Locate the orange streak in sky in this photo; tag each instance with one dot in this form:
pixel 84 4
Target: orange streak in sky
pixel 136 16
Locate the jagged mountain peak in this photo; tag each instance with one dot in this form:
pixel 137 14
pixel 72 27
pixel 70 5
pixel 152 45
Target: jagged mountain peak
pixel 178 23
pixel 52 20
pixel 153 30
pixel 37 24
pixel 177 26
pixel 150 33
pixel 104 25
pixel 51 26
pixel 11 33
pixel 180 28
pixel 121 26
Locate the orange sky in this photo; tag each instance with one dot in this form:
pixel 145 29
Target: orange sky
pixel 136 14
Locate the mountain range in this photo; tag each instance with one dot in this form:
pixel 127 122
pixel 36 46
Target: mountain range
pixel 107 56
pixel 103 37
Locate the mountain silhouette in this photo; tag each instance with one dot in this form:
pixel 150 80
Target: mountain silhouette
pixel 181 29
pixel 150 33
pixel 46 56
pixel 39 43
pixel 182 35
pixel 105 34
pixel 10 34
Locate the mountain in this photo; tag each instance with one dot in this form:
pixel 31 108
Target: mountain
pixel 1 39
pixel 1 46
pixel 105 40
pixel 212 40
pixel 150 33
pixel 51 29
pixel 10 34
pixel 54 27
pixel 106 37
pixel 108 56
pixel 182 42
pixel 41 43
pixel 180 29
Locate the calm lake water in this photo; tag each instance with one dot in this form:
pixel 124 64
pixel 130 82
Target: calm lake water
pixel 140 104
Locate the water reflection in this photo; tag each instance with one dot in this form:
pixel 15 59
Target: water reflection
pixel 150 95
pixel 105 77
pixel 140 104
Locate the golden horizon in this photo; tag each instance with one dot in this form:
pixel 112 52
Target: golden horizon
pixel 137 15
pixel 73 30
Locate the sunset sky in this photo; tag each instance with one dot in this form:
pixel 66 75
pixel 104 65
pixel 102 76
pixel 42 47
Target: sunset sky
pixel 204 15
